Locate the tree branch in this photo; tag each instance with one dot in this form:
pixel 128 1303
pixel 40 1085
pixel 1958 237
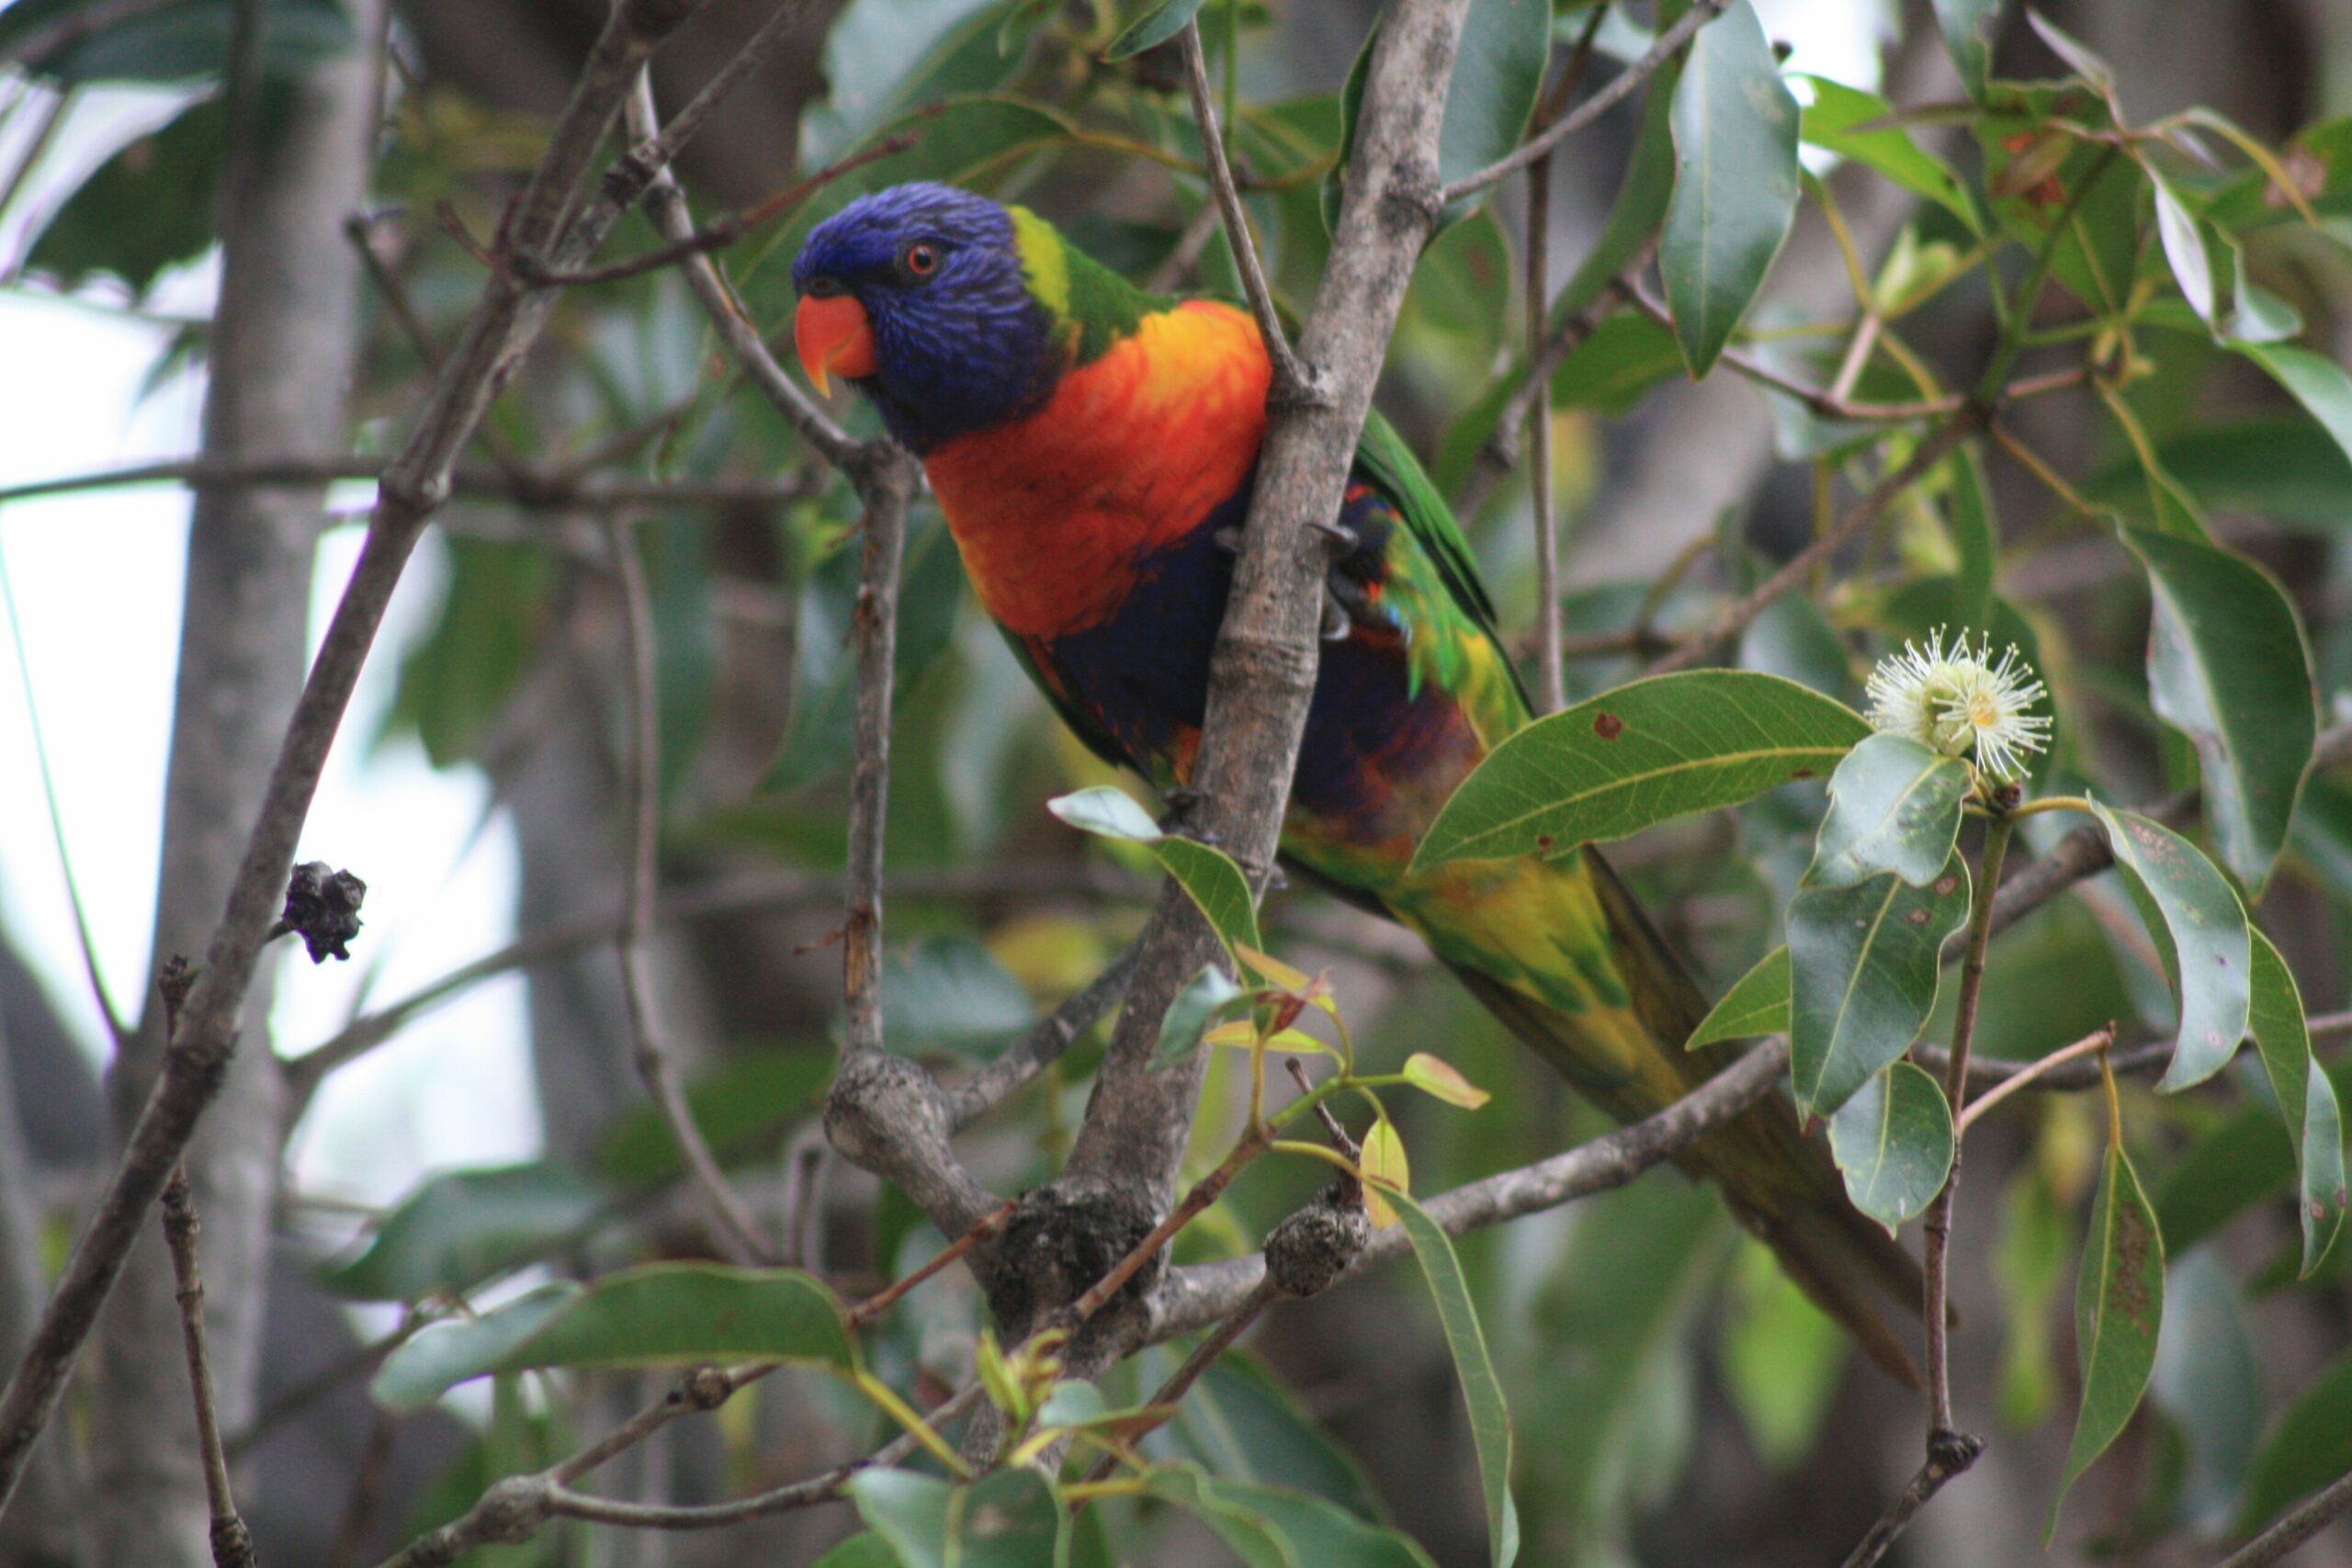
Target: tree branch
pixel 503 325
pixel 1702 12
pixel 731 1222
pixel 1194 1297
pixel 1262 673
pixel 232 1544
pixel 1292 377
pixel 530 491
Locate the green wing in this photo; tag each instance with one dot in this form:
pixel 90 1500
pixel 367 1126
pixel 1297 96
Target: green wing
pixel 1382 455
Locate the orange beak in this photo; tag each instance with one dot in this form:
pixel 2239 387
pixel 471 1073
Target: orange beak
pixel 834 338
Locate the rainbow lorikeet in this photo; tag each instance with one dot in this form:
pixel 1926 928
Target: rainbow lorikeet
pixel 1092 448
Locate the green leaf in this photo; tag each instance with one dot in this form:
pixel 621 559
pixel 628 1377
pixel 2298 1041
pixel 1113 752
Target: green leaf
pixel 178 41
pixel 824 699
pixel 1638 756
pixel 455 679
pixel 2028 1263
pixel 1207 996
pixel 657 1314
pixel 2313 381
pixel 949 993
pixel 2228 669
pixel 2119 1302
pixel 748 1093
pixel 458 1228
pixel 1269 1527
pixel 1893 805
pixel 2288 469
pixel 1975 536
pixel 2200 929
pixel 1734 182
pixel 1481 1390
pixel 1009 1519
pixel 1970 27
pixel 1830 122
pixel 882 57
pixel 148 208
pixel 2306 1098
pixel 1497 72
pixel 1203 871
pixel 1757 1004
pixel 2224 1172
pixel 1894 1142
pixel 2184 247
pixel 1616 365
pixel 1781 1357
pixel 2309 1445
pixel 1242 1422
pixel 1154 25
pixel 1441 1080
pixel 864 1549
pixel 1864 976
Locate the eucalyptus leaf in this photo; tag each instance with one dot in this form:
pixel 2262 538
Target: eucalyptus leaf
pixel 656 1314
pixel 2314 380
pixel 458 1228
pixel 2308 1446
pixel 1208 874
pixel 1893 805
pixel 1153 24
pixel 1757 1004
pixel 2306 1098
pixel 1859 125
pixel 1864 973
pixel 1734 182
pixel 1209 995
pixel 1970 27
pixel 2228 668
pixel 1490 1429
pixel 1009 1519
pixel 1632 758
pixel 2119 1303
pixel 1893 1144
pixel 2200 930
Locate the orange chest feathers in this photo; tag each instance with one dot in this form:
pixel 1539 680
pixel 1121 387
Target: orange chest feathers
pixel 1053 511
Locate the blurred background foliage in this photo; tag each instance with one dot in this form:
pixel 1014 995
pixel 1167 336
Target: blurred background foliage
pixel 1676 1400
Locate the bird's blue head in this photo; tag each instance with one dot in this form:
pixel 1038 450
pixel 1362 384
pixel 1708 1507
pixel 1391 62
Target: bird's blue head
pixel 921 296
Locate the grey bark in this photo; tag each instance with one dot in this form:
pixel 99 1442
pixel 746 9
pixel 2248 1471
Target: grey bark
pixel 40 1530
pixel 285 338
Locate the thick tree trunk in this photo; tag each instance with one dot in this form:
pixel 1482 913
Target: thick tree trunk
pixel 285 337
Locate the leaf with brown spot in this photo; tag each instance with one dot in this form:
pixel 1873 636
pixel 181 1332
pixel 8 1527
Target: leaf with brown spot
pixel 2119 1302
pixel 2200 929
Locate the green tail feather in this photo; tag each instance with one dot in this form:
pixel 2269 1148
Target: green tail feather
pixel 1781 1184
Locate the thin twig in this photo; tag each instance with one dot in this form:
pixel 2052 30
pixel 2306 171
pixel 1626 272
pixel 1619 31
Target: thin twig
pixel 1291 375
pixel 1043 1046
pixel 232 1544
pixel 1199 1295
pixel 816 1489
pixel 1940 1432
pixel 1499 455
pixel 1793 572
pixel 1189 246
pixel 2032 1072
pixel 2295 1528
pixel 525 489
pixel 500 331
pixel 731 1219
pixel 1702 12
pixel 1205 1354
pixel 728 227
pixel 1945 1459
pixel 986 1229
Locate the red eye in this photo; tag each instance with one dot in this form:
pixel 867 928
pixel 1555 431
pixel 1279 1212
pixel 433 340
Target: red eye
pixel 922 260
